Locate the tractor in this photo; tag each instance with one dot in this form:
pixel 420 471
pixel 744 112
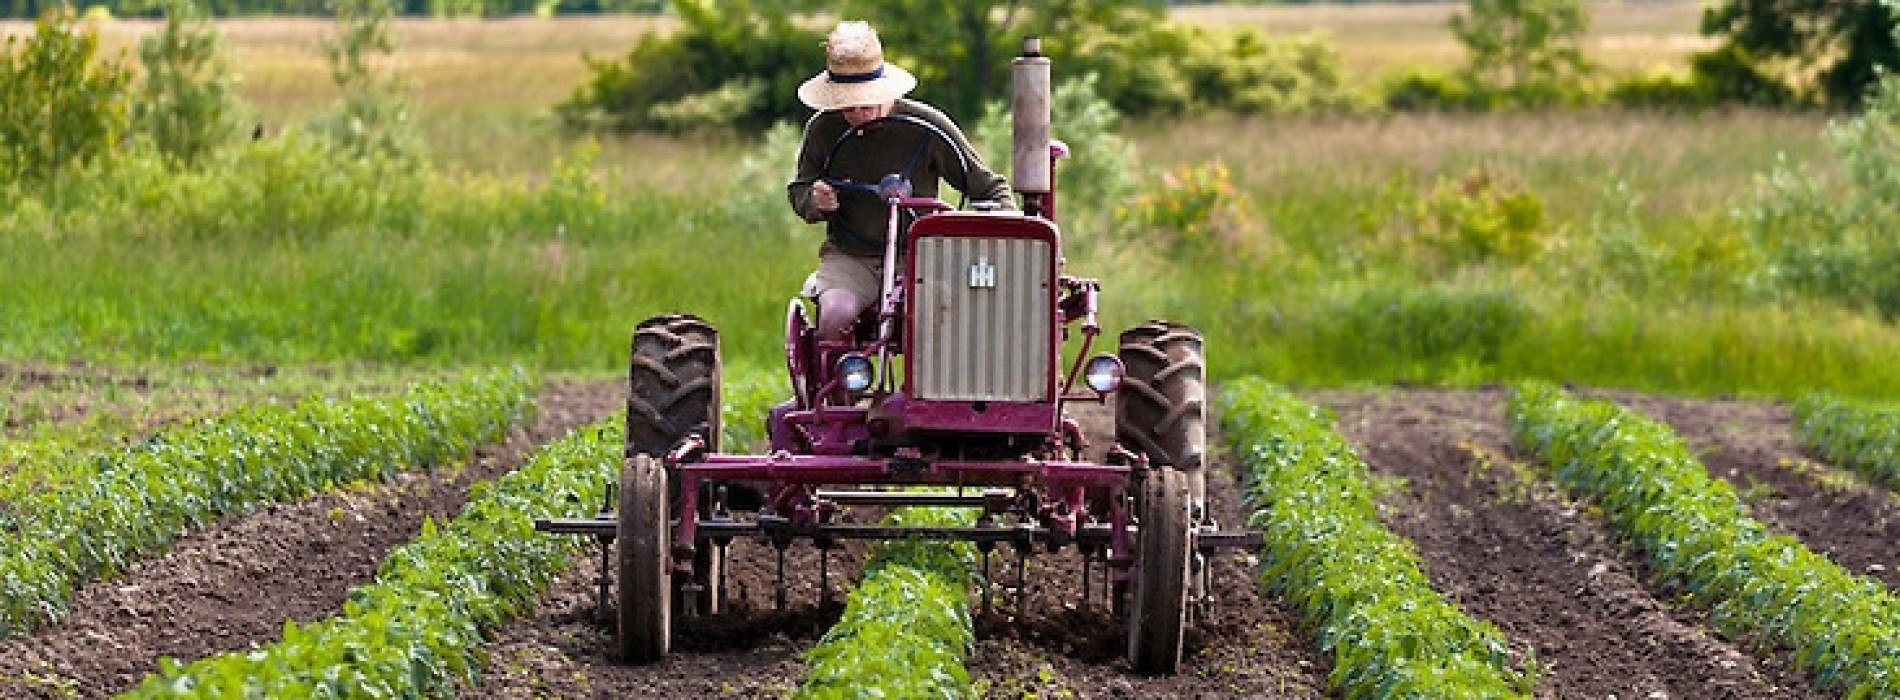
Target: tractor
pixel 952 391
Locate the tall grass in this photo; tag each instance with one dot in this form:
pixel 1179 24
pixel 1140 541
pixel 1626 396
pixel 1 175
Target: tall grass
pixel 1595 247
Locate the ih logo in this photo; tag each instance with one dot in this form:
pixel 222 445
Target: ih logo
pixel 982 274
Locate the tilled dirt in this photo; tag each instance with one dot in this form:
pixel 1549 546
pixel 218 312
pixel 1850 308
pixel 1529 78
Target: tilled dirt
pixel 1494 533
pixel 1497 538
pixel 233 585
pixel 1062 647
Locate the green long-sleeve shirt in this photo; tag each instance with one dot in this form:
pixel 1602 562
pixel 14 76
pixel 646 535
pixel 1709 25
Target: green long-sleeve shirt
pixel 859 225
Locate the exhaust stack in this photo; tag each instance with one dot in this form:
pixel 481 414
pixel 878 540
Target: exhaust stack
pixel 1032 165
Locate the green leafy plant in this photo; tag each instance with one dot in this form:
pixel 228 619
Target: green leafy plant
pixel 1861 435
pixel 906 628
pixel 146 497
pixel 418 630
pixel 1358 585
pixel 1695 531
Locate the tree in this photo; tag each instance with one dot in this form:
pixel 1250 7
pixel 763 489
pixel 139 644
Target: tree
pixel 58 105
pixel 187 104
pixel 960 49
pixel 1524 50
pixel 1818 51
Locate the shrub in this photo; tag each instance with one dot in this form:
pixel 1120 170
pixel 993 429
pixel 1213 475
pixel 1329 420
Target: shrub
pixel 1477 218
pixel 59 106
pixel 1172 68
pixel 1194 208
pixel 1835 240
pixel 1099 169
pixel 724 67
pixel 1662 88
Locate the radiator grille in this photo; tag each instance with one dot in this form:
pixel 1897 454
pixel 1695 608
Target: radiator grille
pixel 983 321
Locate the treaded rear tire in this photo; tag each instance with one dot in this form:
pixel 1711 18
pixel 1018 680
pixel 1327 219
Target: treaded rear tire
pixel 673 384
pixel 1161 408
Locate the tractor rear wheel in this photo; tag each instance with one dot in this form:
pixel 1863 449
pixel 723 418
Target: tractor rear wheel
pixel 1161 408
pixel 1157 620
pixel 642 538
pixel 674 381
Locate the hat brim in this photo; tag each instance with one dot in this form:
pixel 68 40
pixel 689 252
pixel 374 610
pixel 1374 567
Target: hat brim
pixel 822 93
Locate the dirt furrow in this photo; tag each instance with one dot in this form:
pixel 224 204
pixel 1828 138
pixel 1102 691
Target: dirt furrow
pixel 1250 646
pixel 1498 539
pixel 233 585
pixel 562 649
pixel 1752 445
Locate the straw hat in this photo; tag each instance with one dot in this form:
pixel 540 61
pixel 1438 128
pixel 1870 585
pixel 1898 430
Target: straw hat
pixel 855 72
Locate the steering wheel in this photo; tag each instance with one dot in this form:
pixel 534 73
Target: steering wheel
pixel 860 185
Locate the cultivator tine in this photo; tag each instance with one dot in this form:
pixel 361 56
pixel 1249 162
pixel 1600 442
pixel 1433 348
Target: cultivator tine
pixel 988 582
pixel 1087 553
pixel 824 572
pixel 605 581
pixel 778 583
pixel 1022 582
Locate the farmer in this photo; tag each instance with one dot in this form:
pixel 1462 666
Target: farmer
pixel 858 87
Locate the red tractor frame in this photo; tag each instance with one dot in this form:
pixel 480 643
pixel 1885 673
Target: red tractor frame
pixel 956 379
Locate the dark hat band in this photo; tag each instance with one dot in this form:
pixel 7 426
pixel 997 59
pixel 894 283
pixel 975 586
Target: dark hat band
pixel 837 77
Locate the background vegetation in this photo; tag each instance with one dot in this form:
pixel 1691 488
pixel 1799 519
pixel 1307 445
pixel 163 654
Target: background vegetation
pixel 1315 234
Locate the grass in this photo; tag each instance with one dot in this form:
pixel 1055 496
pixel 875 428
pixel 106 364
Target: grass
pixel 1328 255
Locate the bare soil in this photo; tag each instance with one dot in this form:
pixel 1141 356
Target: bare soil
pixel 233 585
pixel 1498 538
pixel 1493 532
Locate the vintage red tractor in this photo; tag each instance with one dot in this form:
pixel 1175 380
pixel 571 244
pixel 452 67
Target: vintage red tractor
pixel 955 380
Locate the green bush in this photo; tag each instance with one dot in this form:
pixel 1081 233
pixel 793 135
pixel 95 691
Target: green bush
pixel 187 104
pixel 59 105
pixel 1419 89
pixel 1663 88
pixel 1832 239
pixel 726 66
pixel 1477 218
pixel 1167 68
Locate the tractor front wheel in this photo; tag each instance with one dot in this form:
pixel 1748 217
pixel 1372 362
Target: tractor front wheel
pixel 1157 620
pixel 642 539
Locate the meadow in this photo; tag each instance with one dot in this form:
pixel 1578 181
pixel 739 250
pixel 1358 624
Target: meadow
pixel 1603 247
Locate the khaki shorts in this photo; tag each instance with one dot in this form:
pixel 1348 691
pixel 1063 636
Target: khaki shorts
pixel 861 275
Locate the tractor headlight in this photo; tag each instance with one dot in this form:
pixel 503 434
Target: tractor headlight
pixel 1104 373
pixel 855 372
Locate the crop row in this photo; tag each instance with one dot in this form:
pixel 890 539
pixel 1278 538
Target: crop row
pixel 1856 434
pixel 418 630
pixel 1352 579
pixel 142 499
pixel 906 628
pixel 1843 628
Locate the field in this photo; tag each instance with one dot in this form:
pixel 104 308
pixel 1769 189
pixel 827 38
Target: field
pixel 266 431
